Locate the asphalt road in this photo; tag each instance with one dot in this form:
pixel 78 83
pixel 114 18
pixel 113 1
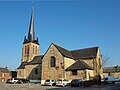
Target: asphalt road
pixel 39 87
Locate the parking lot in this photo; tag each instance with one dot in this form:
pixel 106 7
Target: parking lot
pixel 31 86
pixel 28 86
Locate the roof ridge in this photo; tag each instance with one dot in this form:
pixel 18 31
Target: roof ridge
pixel 64 51
pixel 60 46
pixel 85 48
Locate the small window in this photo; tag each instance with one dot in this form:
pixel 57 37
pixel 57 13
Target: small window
pixel 2 80
pixel 3 75
pixel 53 61
pixel 74 72
pixel 36 71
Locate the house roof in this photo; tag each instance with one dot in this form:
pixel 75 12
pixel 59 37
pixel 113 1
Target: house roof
pixel 86 53
pixel 78 65
pixel 111 69
pixel 4 69
pixel 36 60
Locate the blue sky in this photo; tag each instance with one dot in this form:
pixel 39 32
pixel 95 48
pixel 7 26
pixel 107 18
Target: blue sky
pixel 72 24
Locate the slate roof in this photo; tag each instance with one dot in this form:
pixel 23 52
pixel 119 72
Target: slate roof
pixel 4 69
pixel 64 51
pixel 36 60
pixel 22 65
pixel 87 53
pixel 79 65
pixel 111 69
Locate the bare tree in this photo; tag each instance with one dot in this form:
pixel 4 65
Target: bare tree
pixel 105 60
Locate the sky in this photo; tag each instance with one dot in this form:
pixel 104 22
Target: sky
pixel 72 24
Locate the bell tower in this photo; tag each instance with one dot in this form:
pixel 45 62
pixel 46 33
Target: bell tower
pixel 30 44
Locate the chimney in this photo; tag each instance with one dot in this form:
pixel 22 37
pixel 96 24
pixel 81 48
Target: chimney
pixel 6 67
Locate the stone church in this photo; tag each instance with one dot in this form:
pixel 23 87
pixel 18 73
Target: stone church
pixel 31 59
pixel 57 62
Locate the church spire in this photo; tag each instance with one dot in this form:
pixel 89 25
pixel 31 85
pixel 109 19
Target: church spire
pixel 31 34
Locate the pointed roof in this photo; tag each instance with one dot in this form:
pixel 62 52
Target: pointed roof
pixel 31 33
pixel 79 65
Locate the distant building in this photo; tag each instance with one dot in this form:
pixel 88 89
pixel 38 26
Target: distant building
pixel 57 62
pixel 111 71
pixel 13 74
pixel 4 74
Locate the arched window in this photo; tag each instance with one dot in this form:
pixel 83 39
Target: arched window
pixel 19 73
pixel 25 50
pixel 36 50
pixel 36 71
pixel 53 61
pixel 99 63
pixel 2 80
pixel 33 49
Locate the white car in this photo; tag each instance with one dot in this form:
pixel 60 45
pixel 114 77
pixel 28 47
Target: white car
pixel 13 80
pixel 50 82
pixel 62 82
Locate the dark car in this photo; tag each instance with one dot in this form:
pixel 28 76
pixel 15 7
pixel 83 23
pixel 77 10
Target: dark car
pixel 23 81
pixel 8 81
pixel 76 83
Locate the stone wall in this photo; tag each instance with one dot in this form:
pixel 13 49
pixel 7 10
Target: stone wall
pixel 56 72
pixel 21 73
pixel 68 62
pixel 81 75
pixel 28 53
pixel 30 72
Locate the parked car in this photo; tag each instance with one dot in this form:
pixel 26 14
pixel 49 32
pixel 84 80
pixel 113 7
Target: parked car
pixel 12 80
pixel 62 82
pixel 76 82
pixel 23 81
pixel 109 79
pixel 117 79
pixel 50 82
